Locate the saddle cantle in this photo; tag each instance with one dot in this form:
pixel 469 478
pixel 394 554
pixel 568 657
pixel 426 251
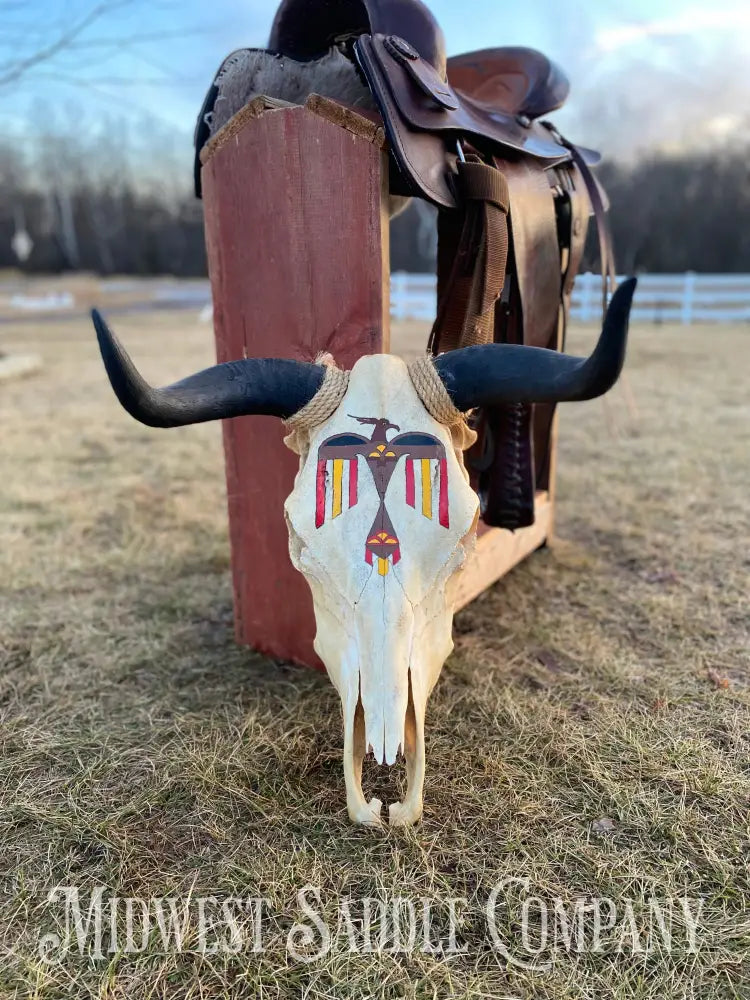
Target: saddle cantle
pixel 514 197
pixel 306 29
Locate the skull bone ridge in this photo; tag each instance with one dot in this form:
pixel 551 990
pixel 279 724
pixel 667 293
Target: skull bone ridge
pixel 380 520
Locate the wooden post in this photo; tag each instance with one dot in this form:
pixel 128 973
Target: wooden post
pixel 297 241
pixel 296 211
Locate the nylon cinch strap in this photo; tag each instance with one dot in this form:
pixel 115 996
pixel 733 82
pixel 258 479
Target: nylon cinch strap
pixel 477 241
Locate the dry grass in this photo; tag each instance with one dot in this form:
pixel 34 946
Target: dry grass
pixel 143 751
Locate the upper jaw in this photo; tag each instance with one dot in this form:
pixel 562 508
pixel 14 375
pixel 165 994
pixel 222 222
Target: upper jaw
pixel 404 813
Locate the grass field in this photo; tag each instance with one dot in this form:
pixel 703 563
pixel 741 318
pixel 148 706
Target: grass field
pixel 590 733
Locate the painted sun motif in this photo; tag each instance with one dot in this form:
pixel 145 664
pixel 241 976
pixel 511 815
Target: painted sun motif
pixel 382 456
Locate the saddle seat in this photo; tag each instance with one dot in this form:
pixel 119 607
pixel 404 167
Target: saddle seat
pixel 513 79
pixel 491 98
pixel 425 114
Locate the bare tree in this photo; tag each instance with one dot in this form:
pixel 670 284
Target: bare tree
pixel 26 49
pixel 13 68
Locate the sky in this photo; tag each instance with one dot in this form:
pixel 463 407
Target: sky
pixel 643 72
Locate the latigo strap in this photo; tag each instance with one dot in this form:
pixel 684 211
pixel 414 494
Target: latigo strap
pixel 479 253
pixel 477 262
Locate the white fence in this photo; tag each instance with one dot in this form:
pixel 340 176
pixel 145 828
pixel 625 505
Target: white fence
pixel 660 298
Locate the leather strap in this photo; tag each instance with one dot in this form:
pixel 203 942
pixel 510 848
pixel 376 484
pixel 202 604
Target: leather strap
pixel 473 253
pixel 466 306
pixel 536 250
pixel 577 231
pixel 599 208
pixel 606 248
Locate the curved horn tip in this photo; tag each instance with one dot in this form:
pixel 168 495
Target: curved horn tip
pixel 606 363
pixel 622 298
pixel 134 393
pixel 98 319
pixel 103 333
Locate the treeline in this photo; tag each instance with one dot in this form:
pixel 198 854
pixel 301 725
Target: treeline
pixel 117 231
pixel 85 211
pixel 668 214
pixel 674 214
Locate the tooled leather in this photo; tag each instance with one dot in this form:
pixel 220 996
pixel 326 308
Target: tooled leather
pixel 517 79
pixel 470 118
pixel 508 484
pixel 428 174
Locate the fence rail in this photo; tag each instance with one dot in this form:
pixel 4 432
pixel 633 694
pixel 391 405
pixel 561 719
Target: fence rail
pixel 660 298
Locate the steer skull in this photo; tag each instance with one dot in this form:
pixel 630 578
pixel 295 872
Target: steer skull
pixel 382 515
pixel 380 518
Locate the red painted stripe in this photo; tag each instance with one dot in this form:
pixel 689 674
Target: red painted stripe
pixel 410 492
pixel 368 557
pixel 397 555
pixel 443 502
pixel 320 495
pixel 353 473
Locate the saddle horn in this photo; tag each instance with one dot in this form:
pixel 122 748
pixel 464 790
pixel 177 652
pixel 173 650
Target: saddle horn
pixel 511 373
pixel 275 387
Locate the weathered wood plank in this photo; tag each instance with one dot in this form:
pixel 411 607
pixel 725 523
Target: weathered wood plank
pixel 297 244
pixel 498 551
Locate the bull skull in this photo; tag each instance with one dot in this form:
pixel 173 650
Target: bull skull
pixel 382 515
pixel 378 523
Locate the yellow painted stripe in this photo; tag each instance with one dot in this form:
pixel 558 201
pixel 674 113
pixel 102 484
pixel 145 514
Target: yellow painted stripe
pixel 426 488
pixel 383 567
pixel 338 479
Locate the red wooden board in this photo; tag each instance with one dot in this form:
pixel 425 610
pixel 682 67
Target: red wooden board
pixel 297 253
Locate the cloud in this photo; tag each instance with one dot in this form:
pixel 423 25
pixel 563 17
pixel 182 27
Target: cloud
pixel 690 99
pixel 693 21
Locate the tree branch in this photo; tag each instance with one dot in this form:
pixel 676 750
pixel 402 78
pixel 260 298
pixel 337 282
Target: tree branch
pixel 66 40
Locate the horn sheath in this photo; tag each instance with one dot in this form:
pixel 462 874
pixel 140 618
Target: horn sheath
pixel 273 386
pixel 511 373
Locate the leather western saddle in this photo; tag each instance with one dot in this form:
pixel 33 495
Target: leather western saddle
pixel 514 197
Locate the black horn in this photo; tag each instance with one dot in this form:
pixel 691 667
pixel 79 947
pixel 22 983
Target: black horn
pixel 511 373
pixel 272 386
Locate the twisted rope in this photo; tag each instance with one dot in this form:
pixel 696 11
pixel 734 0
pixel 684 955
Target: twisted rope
pixel 438 403
pixel 433 393
pixel 425 379
pixel 326 400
